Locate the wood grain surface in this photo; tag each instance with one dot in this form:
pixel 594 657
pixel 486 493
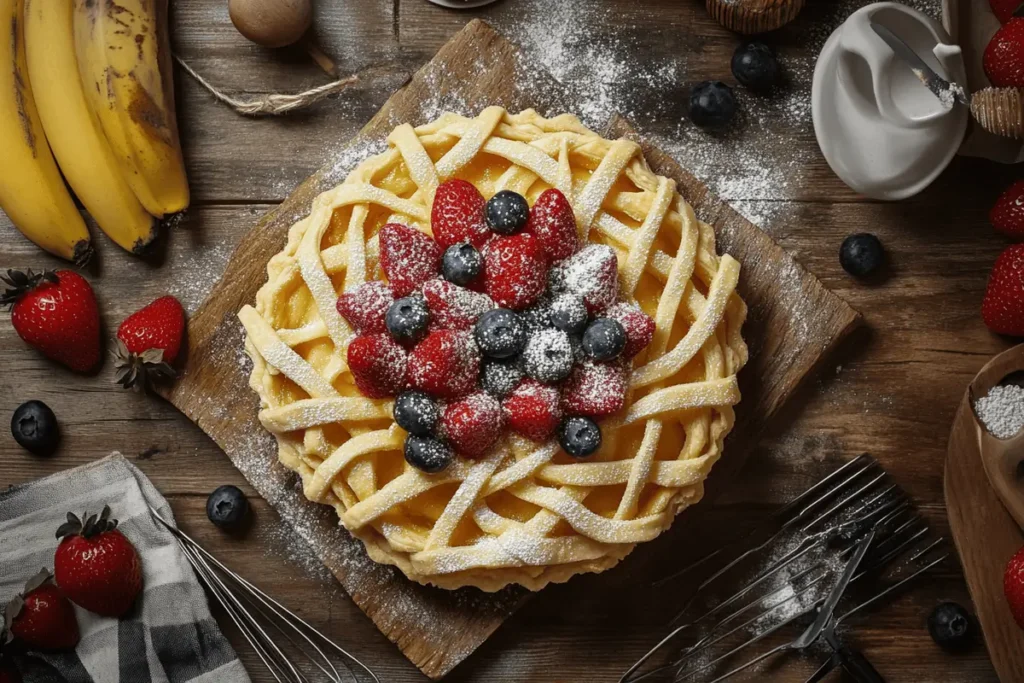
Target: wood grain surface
pixel 986 534
pixel 437 629
pixel 894 393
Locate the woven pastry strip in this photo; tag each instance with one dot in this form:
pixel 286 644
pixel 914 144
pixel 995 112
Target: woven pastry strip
pixel 524 513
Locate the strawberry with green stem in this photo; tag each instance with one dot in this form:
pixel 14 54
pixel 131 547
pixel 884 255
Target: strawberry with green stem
pixel 148 343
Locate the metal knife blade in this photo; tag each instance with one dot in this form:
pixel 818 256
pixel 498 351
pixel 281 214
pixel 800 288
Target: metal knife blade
pixel 829 606
pixel 948 93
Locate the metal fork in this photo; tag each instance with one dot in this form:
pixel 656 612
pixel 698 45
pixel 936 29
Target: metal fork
pixel 258 616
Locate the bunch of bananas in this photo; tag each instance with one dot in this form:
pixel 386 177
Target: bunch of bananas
pixel 86 91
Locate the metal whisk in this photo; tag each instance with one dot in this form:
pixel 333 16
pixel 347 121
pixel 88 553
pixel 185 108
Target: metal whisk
pixel 259 616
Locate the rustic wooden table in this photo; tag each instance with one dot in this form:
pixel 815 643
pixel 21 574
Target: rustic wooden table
pixel 892 390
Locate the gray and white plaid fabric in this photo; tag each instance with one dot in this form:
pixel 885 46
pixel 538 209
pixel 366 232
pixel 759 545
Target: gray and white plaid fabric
pixel 169 637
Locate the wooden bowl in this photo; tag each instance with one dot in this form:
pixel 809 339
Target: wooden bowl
pixel 754 16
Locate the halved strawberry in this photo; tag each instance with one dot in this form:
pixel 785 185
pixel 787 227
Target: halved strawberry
pixel 1003 307
pixel 515 271
pixel 593 274
pixel 408 257
pixel 1007 215
pixel 472 424
pixel 365 307
pixel 532 409
pixel 378 364
pixel 454 307
pixel 1004 55
pixel 594 389
pixel 458 215
pixel 552 222
pixel 638 325
pixel 445 364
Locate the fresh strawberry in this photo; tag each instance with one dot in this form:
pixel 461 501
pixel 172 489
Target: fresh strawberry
pixel 445 364
pixel 471 425
pixel 378 364
pixel 1003 307
pixel 365 307
pixel 96 566
pixel 55 313
pixel 638 325
pixel 1007 215
pixel 148 342
pixel 532 410
pixel 408 257
pixel 593 274
pixel 552 222
pixel 458 215
pixel 1013 586
pixel 453 307
pixel 515 271
pixel 594 389
pixel 1004 9
pixel 41 618
pixel 1004 56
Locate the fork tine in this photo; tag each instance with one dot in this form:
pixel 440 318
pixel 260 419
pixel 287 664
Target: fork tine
pixel 844 502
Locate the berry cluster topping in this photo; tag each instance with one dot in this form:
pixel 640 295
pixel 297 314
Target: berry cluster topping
pixel 501 320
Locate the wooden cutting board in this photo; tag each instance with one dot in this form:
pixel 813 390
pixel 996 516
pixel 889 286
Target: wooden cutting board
pixel 986 537
pixel 794 322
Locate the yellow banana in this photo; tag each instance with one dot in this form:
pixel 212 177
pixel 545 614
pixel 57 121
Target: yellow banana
pixel 124 59
pixel 32 193
pixel 74 133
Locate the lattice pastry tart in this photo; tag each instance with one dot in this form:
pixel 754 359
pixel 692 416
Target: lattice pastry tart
pixel 505 390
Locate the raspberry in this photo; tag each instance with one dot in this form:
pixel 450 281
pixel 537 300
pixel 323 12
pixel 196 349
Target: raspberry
pixel 454 307
pixel 515 271
pixel 472 424
pixel 458 215
pixel 445 364
pixel 532 410
pixel 593 274
pixel 365 307
pixel 408 257
pixel 638 325
pixel 594 389
pixel 378 365
pixel 553 224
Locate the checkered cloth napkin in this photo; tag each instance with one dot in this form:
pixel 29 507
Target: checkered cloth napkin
pixel 169 637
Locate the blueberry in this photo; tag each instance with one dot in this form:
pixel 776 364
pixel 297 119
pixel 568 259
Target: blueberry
pixel 950 626
pixel 427 453
pixel 569 314
pixel 227 507
pixel 861 254
pixel 556 280
pixel 754 65
pixel 461 263
pixel 712 104
pixel 536 319
pixel 604 339
pixel 548 356
pixel 35 428
pixel 407 319
pixel 579 436
pixel 416 413
pixel 499 377
pixel 507 212
pixel 500 333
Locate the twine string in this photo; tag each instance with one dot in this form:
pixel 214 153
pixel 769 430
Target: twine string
pixel 272 104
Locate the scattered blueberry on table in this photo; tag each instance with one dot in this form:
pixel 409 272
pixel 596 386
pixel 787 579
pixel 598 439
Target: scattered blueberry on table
pixel 35 428
pixel 712 104
pixel 754 65
pixel 227 507
pixel 861 254
pixel 950 626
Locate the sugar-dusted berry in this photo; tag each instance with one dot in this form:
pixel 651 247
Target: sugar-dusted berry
pixel 458 215
pixel 409 258
pixel 472 424
pixel 515 271
pixel 365 307
pixel 553 224
pixel 638 325
pixel 454 307
pixel 445 364
pixel 378 364
pixel 593 274
pixel 532 409
pixel 594 389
